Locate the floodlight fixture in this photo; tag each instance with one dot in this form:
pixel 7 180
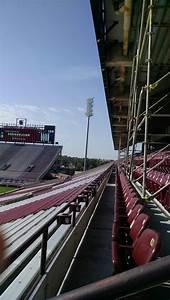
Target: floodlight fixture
pixel 89 114
pixel 89 110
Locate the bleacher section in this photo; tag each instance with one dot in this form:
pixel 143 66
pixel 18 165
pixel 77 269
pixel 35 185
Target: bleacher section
pixel 25 163
pixel 45 204
pixel 158 176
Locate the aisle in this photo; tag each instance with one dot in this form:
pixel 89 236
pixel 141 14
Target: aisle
pixel 94 259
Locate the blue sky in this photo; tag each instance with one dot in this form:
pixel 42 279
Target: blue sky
pixel 49 66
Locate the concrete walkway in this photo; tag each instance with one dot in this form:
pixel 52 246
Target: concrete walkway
pixel 94 259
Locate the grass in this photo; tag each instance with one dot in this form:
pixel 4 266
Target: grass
pixel 5 189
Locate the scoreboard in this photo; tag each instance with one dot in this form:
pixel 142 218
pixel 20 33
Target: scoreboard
pixel 27 133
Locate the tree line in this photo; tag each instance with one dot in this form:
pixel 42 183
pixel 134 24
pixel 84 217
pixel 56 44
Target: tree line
pixel 77 163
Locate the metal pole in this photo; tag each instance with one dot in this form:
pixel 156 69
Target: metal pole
pixel 155 112
pixel 124 284
pixel 155 154
pixel 157 102
pixel 147 99
pixel 120 142
pixel 134 134
pixel 160 190
pixel 44 251
pixel 137 60
pixel 144 37
pixel 87 138
pixel 133 90
pixel 150 169
pixel 160 79
pixel 130 108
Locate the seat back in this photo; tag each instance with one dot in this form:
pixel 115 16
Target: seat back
pixel 146 247
pixel 131 204
pixel 129 196
pixel 133 213
pixel 138 225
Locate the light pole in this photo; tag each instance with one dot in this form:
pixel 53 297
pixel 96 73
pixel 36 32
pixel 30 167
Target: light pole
pixel 89 113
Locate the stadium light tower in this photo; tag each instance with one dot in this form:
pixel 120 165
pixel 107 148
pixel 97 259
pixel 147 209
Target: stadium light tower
pixel 89 113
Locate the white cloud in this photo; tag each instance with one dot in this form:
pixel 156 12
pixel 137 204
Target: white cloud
pixel 75 123
pixel 9 113
pixel 81 109
pixel 28 107
pixel 68 111
pixel 34 114
pixel 53 109
pixel 63 110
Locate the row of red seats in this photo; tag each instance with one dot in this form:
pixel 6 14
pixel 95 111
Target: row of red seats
pixel 154 181
pixel 133 243
pixel 163 169
pixel 163 156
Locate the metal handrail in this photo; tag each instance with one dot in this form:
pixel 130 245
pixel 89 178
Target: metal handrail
pixel 24 246
pixel 124 284
pixel 43 231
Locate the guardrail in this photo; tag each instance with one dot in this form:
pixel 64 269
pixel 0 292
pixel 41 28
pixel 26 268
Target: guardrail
pixel 124 284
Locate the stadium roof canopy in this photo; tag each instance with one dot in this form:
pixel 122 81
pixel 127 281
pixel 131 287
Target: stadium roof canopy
pixel 117 26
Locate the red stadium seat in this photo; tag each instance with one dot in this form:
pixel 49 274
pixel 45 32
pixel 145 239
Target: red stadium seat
pixel 146 247
pixel 125 235
pixel 130 204
pixel 144 250
pixel 134 213
pixel 138 225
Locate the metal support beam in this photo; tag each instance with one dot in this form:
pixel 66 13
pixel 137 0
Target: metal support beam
pixel 157 165
pixel 117 62
pixel 119 116
pixel 134 134
pixel 160 190
pixel 154 155
pixel 156 103
pixel 160 115
pixel 111 27
pixel 133 85
pixel 119 125
pixel 147 98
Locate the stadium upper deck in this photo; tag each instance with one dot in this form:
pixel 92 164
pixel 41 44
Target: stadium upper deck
pixel 133 44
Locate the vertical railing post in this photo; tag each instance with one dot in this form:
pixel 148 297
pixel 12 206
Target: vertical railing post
pixel 134 134
pixel 74 216
pixel 147 99
pixel 44 251
pixel 130 109
pixel 133 90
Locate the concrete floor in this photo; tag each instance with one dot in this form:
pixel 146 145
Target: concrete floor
pixel 94 259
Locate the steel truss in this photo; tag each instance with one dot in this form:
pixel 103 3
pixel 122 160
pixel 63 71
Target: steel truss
pixel 138 95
